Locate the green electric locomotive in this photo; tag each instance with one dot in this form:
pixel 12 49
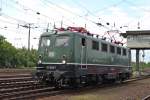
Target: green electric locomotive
pixel 73 57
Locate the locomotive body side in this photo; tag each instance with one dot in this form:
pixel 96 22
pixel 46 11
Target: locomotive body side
pixel 93 61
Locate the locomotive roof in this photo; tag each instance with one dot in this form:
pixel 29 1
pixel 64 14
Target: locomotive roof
pixel 81 34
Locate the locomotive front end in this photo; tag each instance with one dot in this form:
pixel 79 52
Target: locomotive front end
pixel 55 52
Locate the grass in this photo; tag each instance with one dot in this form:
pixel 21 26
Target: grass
pixel 85 97
pixel 93 97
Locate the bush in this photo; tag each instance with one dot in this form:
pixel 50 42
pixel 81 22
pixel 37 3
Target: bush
pixel 12 57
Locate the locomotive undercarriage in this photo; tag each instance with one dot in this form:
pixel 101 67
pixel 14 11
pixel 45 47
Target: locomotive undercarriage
pixel 84 80
pixel 74 76
pixel 63 81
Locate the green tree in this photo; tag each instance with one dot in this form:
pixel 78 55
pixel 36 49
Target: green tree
pixel 26 58
pixel 13 57
pixel 7 52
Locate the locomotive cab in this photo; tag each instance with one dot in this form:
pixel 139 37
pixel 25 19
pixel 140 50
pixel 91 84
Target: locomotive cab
pixel 55 48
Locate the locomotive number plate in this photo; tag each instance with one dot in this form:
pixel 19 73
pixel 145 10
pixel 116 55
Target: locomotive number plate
pixel 51 67
pixel 51 54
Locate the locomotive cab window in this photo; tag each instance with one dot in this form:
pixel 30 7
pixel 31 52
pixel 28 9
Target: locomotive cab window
pixel 95 45
pixel 124 52
pixel 83 42
pixel 104 47
pixel 45 42
pixel 62 41
pixel 119 50
pixel 112 49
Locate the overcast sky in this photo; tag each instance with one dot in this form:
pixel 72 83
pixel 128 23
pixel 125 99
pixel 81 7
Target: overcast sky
pixel 122 15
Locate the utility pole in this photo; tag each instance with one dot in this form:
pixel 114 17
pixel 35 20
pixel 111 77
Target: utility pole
pixel 47 27
pixel 61 23
pixel 29 33
pixel 29 37
pixel 137 57
pixel 137 62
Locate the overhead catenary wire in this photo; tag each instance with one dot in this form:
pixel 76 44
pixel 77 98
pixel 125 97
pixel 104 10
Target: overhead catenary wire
pixel 58 7
pixel 61 9
pixel 7 29
pixel 80 5
pixel 44 15
pixel 65 19
pixel 36 12
pixel 71 12
pixel 17 25
pixel 75 14
pixel 4 21
pixel 109 6
pixel 138 9
pixel 92 14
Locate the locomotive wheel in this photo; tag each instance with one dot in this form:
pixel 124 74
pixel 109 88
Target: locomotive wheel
pixel 120 79
pixel 99 79
pixel 57 85
pixel 74 83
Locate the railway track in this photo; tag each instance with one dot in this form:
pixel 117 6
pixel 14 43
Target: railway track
pixel 20 87
pixel 29 89
pixel 13 76
pixel 146 98
pixel 14 86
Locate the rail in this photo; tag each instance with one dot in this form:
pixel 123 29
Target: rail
pixel 32 89
pixel 146 98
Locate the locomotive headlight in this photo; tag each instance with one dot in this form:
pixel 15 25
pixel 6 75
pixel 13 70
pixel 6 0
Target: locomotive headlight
pixel 39 62
pixel 64 61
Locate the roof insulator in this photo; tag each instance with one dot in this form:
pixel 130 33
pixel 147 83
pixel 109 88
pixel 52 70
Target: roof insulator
pixel 107 23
